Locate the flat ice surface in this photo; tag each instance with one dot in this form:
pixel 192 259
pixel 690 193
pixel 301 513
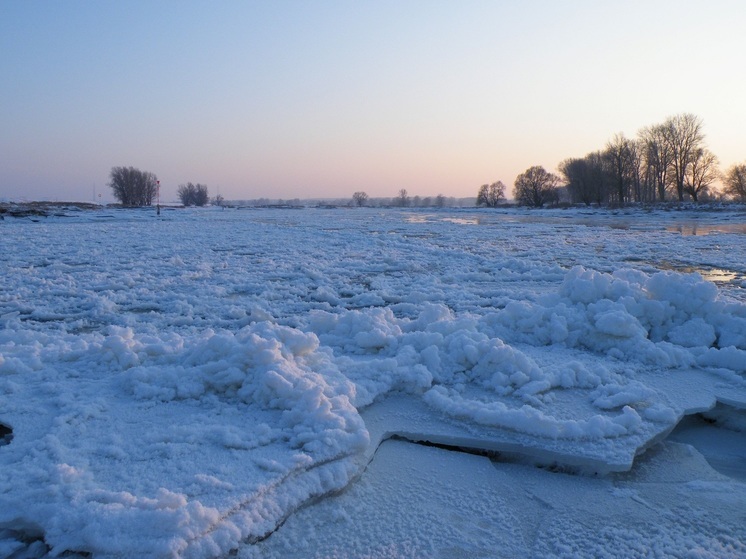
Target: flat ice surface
pixel 209 381
pixel 415 501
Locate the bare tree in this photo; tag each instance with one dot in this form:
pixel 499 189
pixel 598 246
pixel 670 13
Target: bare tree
pixel 684 136
pixel 620 161
pixel 403 199
pixel 598 177
pixel 133 187
pixel 536 187
pixel 360 198
pixel 636 170
pixel 491 195
pixel 656 158
pixel 201 196
pixel 482 195
pixel 735 181
pixel 573 170
pixel 702 173
pixel 193 194
pixel 585 178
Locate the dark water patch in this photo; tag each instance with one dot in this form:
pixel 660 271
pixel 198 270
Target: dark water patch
pixel 6 434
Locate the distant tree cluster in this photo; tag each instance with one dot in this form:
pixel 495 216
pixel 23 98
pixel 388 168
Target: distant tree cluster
pixel 403 200
pixel 193 194
pixel 360 198
pixel 735 182
pixel 133 187
pixel 536 187
pixel 666 161
pixel 491 195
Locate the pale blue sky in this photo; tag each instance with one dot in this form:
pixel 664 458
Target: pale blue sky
pixel 323 98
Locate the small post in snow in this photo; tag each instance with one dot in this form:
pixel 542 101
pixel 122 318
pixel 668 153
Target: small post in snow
pixel 158 197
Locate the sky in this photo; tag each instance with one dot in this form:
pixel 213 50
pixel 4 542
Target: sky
pixel 320 99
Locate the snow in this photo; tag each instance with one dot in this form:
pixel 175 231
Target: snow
pixel 256 381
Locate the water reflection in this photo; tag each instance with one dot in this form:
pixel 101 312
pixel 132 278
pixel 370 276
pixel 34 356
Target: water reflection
pixel 719 276
pixel 619 222
pixel 695 229
pixel 462 220
pixel 715 275
pixel 415 218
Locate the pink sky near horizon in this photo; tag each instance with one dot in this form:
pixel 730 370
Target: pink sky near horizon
pixel 321 99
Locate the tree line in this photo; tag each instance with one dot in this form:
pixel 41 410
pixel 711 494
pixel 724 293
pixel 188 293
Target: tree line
pixel 666 161
pixel 135 188
pixel 404 200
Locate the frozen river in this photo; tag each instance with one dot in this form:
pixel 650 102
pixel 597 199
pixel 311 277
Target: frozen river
pixel 373 383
